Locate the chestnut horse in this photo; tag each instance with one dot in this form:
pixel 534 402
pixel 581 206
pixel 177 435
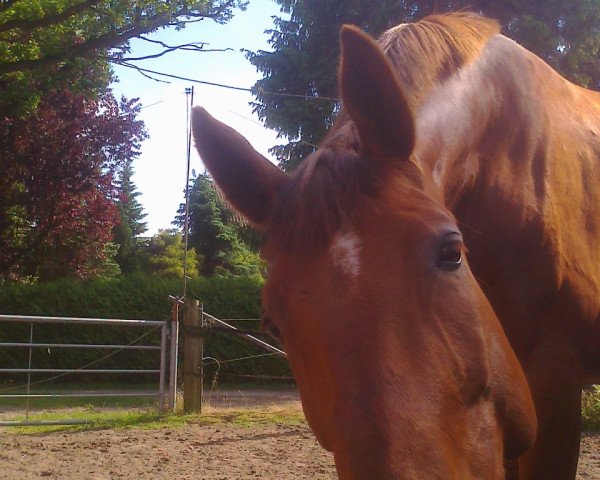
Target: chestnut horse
pixel 450 135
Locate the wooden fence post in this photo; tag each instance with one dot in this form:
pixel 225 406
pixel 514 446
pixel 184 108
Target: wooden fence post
pixel 192 357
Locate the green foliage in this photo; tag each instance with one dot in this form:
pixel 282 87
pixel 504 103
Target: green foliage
pixel 131 222
pixel 65 140
pixel 305 53
pixel 57 190
pixel 565 34
pixel 134 297
pixel 104 265
pixel 125 241
pixel 164 255
pixel 590 409
pixel 44 43
pixel 223 242
pixel 133 212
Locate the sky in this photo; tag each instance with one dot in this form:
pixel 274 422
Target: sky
pixel 160 171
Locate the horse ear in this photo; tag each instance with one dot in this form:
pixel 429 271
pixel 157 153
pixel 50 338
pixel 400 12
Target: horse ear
pixel 373 97
pixel 248 180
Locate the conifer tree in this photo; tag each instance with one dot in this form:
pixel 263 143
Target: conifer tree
pixel 221 239
pixel 131 221
pixel 305 51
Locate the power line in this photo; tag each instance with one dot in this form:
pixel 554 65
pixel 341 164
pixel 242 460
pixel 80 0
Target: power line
pixel 152 104
pixel 144 107
pixel 222 85
pixel 258 123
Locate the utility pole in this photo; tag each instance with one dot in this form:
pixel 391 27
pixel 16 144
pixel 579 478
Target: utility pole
pixel 189 102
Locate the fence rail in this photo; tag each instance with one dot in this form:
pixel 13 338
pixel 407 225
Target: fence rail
pixel 159 394
pixel 82 321
pixel 79 345
pixel 74 370
pixel 82 394
pixel 193 355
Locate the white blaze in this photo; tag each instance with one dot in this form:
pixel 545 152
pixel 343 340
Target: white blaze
pixel 345 253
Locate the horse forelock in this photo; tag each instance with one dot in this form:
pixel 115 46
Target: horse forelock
pixel 427 52
pixel 320 198
pixel 326 191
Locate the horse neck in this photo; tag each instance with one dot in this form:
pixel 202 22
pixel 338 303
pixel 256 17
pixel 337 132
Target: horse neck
pixel 502 119
pixel 513 150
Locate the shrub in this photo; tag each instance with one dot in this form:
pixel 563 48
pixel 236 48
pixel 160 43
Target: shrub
pixel 590 409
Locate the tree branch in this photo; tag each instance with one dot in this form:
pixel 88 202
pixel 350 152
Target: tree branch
pixel 169 50
pixel 190 47
pixel 103 42
pixel 185 22
pixel 106 41
pixel 28 25
pixel 164 45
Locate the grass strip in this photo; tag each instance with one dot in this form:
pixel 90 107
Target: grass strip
pixel 248 417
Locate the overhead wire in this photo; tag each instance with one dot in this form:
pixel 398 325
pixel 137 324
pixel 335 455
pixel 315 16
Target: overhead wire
pixel 230 87
pixel 260 124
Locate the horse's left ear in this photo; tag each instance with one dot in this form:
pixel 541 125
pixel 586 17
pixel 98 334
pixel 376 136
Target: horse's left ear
pixel 248 180
pixel 373 97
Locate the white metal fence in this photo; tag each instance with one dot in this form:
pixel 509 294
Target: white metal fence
pixel 146 326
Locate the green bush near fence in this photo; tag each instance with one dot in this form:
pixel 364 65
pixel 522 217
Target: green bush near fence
pixel 135 297
pixel 590 409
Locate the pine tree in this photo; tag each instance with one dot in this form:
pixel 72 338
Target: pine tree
pixel 132 209
pixel 131 221
pixel 305 53
pixel 223 243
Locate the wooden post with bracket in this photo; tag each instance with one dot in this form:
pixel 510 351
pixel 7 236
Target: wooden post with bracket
pixel 192 358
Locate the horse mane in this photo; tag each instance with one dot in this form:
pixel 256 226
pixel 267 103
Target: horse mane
pixel 320 197
pixel 427 52
pixel 323 191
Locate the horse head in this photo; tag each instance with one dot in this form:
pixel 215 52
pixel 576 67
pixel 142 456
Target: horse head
pixel 403 368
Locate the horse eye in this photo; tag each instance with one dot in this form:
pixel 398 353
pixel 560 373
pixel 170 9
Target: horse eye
pixel 450 256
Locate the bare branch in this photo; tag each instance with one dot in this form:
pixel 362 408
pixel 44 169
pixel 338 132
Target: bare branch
pixel 164 45
pixel 190 47
pixel 28 25
pixel 169 75
pixel 186 47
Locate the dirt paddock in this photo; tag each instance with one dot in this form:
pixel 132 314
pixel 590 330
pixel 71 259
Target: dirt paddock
pixel 220 451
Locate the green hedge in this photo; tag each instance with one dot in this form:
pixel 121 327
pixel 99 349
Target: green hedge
pixel 135 297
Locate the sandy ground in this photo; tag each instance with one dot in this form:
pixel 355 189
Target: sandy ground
pixel 200 452
pixel 192 452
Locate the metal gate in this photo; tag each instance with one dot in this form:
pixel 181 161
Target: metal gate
pixel 147 325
